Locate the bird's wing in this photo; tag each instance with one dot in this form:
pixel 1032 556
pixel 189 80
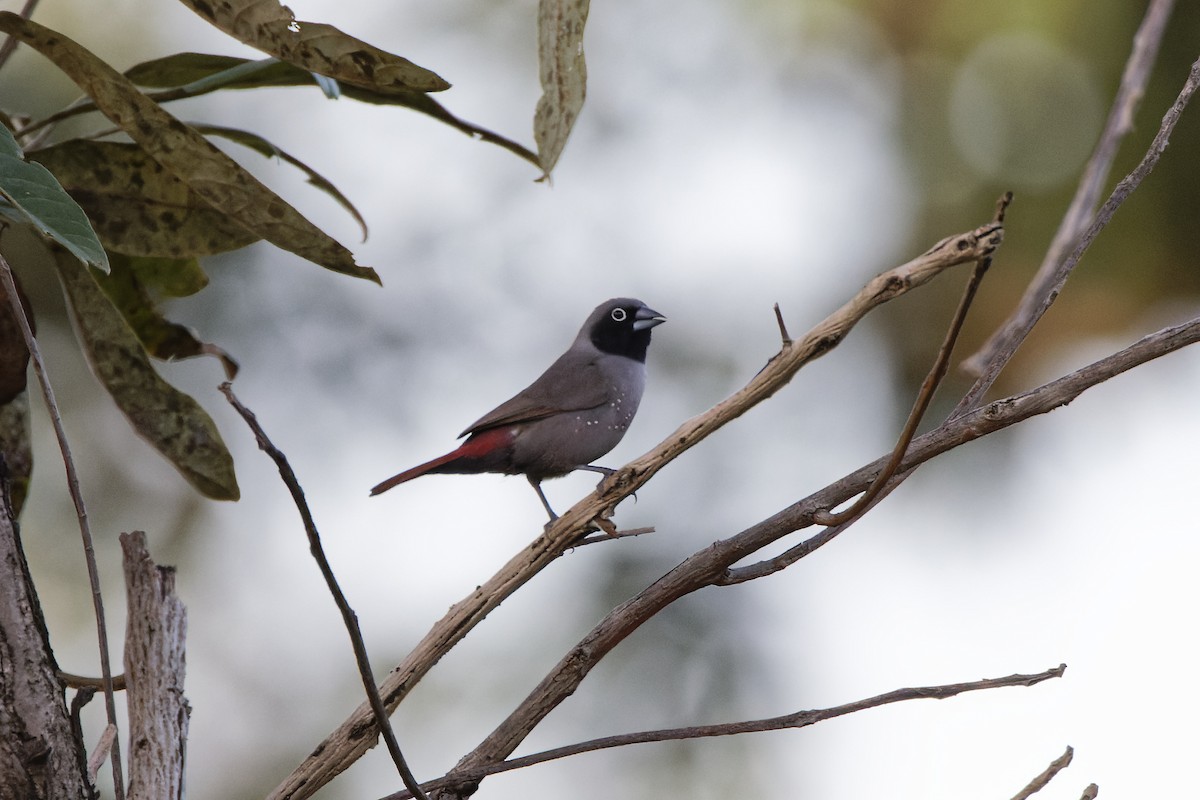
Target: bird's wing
pixel 572 383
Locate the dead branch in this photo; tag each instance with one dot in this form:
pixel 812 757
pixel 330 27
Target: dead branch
pixel 1041 781
pixel 799 719
pixel 155 637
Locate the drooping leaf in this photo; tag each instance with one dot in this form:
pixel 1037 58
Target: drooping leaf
pixel 563 75
pixel 190 70
pixel 16 449
pixel 37 198
pixel 184 152
pixel 261 145
pixel 136 205
pixel 168 419
pixel 129 288
pixel 317 47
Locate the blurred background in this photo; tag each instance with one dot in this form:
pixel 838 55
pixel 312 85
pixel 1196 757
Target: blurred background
pixel 730 155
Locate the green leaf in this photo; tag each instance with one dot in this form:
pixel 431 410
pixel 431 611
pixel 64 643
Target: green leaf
pixel 563 75
pixel 261 145
pixel 186 71
pixel 129 288
pixel 168 419
pixel 316 47
pixel 40 200
pixel 219 179
pixel 138 207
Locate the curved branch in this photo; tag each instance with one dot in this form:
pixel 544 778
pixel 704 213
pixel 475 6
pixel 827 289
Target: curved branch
pixel 358 733
pixel 799 719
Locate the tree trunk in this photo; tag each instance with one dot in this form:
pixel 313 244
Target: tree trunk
pixel 39 754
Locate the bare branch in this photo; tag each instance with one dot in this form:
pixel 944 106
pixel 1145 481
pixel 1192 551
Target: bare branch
pixel 799 719
pixel 357 734
pixel 929 386
pixel 85 530
pixel 1078 227
pixel 1040 782
pixel 348 616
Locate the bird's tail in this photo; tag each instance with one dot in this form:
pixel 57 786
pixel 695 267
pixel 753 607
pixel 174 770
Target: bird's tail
pixel 479 453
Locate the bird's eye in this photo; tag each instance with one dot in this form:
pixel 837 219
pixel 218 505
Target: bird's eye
pixel 619 315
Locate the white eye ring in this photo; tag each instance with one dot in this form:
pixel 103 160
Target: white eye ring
pixel 618 315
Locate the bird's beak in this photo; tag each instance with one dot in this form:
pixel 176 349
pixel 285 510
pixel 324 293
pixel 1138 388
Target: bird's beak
pixel 645 318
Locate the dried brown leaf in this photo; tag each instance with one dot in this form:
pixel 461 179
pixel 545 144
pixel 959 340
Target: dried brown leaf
pixel 168 419
pixel 315 46
pixel 563 75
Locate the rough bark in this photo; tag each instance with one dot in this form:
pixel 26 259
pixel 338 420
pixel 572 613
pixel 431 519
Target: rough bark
pixel 154 673
pixel 40 756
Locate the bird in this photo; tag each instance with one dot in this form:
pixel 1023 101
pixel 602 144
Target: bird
pixel 575 412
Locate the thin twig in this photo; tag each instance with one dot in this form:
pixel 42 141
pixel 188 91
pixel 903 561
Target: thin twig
pixel 348 616
pixel 991 358
pixel 608 537
pixel 784 336
pixel 10 42
pixel 85 531
pixel 83 681
pixel 924 397
pixel 1040 782
pixel 799 719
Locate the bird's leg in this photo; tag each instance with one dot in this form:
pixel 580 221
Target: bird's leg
pixel 607 473
pixel 537 487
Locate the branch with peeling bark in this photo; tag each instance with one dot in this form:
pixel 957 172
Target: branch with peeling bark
pixel 155 639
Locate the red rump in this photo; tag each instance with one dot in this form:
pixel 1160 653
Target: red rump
pixel 482 452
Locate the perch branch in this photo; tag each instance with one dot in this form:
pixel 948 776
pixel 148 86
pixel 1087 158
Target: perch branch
pixel 712 565
pixel 348 616
pixel 1078 227
pixel 799 719
pixel 357 734
pixel 85 530
pixel 1040 782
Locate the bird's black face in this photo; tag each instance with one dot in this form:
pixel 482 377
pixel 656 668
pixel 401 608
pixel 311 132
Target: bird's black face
pixel 622 327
